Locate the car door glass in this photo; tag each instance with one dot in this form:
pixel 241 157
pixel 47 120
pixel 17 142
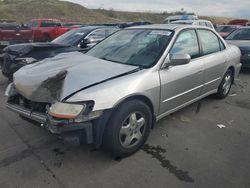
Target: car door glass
pixel 111 31
pixel 222 46
pixel 35 24
pixel 98 34
pixel 186 43
pixel 209 41
pixel 209 25
pixel 48 23
pixel 203 24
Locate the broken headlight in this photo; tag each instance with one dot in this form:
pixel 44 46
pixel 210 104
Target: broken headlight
pixel 79 112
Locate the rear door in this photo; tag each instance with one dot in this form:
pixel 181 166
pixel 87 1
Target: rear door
pixel 182 84
pixel 213 57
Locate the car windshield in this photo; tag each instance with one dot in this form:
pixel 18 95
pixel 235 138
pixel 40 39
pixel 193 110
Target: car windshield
pixel 226 29
pixel 133 47
pixel 240 34
pixel 72 37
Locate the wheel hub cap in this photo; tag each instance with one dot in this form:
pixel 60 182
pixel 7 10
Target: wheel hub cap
pixel 227 84
pixel 132 130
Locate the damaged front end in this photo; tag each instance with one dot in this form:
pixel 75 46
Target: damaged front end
pixel 74 130
pixel 40 93
pixel 12 58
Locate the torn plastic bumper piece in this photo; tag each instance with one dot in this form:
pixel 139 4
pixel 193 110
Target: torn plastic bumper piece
pixel 69 131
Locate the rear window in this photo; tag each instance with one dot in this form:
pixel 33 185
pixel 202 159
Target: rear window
pixel 240 34
pixel 209 41
pixel 226 29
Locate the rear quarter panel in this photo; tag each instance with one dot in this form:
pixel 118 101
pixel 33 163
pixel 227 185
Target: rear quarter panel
pixel 233 56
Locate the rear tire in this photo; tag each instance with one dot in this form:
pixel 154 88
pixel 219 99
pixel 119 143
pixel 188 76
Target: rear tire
pixel 128 128
pixel 225 86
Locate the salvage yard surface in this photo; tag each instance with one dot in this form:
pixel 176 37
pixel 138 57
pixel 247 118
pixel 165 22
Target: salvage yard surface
pixel 204 145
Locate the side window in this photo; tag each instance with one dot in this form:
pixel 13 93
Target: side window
pixel 203 24
pixel 49 24
pixel 186 43
pixel 111 31
pixel 35 24
pixel 222 46
pixel 98 34
pixel 209 41
pixel 209 25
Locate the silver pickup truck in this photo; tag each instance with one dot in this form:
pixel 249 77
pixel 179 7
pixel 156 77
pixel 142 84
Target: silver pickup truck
pixel 113 95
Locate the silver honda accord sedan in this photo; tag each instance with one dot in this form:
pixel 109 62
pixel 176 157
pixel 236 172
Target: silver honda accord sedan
pixel 113 95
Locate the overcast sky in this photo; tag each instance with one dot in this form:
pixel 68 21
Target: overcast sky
pixel 231 8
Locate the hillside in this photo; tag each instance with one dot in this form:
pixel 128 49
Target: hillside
pixel 24 10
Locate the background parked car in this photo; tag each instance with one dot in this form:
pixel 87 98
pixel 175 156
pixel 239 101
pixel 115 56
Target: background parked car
pixel 225 30
pixel 241 38
pixel 130 24
pixel 170 19
pixel 113 94
pixel 204 23
pixel 82 39
pixel 12 33
pixel 45 30
pixel 242 22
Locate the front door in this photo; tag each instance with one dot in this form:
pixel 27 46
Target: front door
pixel 183 83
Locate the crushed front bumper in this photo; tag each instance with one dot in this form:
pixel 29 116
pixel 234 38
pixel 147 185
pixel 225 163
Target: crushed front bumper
pixel 85 132
pixel 69 131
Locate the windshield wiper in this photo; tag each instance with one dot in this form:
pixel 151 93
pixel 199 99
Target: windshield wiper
pixel 104 58
pixel 140 66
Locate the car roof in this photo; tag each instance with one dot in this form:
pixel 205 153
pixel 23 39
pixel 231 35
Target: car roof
pixel 189 21
pixel 167 26
pixel 229 25
pixel 244 27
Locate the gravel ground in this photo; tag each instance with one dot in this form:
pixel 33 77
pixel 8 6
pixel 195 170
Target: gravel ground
pixel 185 149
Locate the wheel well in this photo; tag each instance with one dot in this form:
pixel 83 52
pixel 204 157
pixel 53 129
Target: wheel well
pixel 233 70
pixel 144 99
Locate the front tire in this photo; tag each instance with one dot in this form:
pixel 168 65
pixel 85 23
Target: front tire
pixel 225 86
pixel 128 128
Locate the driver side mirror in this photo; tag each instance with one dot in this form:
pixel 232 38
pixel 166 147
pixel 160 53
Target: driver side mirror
pixel 177 59
pixel 84 43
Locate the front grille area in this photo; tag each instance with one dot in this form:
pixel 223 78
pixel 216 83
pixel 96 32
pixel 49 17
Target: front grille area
pixel 33 106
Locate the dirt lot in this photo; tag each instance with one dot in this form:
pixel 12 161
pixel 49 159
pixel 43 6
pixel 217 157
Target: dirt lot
pixel 186 149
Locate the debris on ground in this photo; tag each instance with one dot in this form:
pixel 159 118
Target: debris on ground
pixel 232 95
pixel 164 135
pixel 221 126
pixel 230 122
pixel 185 119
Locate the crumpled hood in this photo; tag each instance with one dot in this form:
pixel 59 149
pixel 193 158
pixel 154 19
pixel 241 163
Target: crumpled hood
pixel 55 78
pixel 22 49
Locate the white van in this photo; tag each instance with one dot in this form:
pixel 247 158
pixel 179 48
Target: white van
pixel 204 23
pixel 170 19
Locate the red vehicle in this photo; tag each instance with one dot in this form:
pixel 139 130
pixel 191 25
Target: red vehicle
pixel 45 30
pixel 12 33
pixel 242 22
